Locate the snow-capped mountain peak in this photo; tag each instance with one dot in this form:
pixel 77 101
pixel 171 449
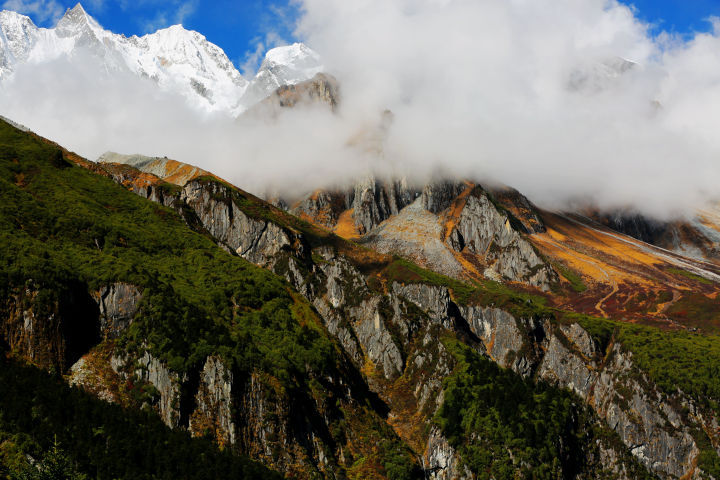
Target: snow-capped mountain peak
pixel 76 20
pixel 298 56
pixel 287 65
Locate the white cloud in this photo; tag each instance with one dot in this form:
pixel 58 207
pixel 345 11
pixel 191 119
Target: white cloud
pixel 185 10
pixel 44 11
pixel 519 91
pixel 481 88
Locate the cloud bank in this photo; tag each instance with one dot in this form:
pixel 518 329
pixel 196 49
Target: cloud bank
pixel 533 94
pixel 570 101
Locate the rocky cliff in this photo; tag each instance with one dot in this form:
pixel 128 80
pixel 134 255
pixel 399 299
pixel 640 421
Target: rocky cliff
pixel 389 333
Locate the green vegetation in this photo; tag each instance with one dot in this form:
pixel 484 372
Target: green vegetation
pixel 697 310
pixel 672 359
pixel 62 225
pixel 507 427
pixel 100 440
pixel 55 464
pixel 575 280
pixel 483 293
pixel 675 360
pixel 691 276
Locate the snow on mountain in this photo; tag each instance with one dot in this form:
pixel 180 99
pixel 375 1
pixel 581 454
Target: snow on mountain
pixel 18 35
pixel 287 65
pixel 178 60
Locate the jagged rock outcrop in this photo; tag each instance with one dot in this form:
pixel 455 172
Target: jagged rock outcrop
pixel 509 341
pixel 434 301
pixel 374 201
pixel 358 209
pixel 255 240
pixel 437 197
pixel 443 462
pixel 168 383
pixel 482 230
pixel 118 303
pixel 645 419
pixel 376 338
pixel 214 403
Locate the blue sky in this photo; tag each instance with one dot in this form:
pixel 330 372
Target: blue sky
pixel 246 28
pixel 677 16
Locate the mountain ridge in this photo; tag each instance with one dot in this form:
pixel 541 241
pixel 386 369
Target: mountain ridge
pixel 178 60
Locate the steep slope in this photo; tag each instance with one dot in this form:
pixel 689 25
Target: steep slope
pixel 469 232
pixel 102 440
pixel 697 237
pixel 118 293
pixel 455 228
pixel 613 275
pixel 399 324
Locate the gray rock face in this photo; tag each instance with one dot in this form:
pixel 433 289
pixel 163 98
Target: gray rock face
pixel 255 240
pixel 214 403
pixel 429 366
pixel 504 337
pixel 118 303
pixel 645 420
pixel 436 197
pixel 565 368
pixel 167 383
pixel 354 316
pixel 371 200
pixel 443 462
pixel 376 339
pixel 435 301
pixel 483 230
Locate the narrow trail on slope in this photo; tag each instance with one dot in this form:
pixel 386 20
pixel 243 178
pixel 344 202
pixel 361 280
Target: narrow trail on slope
pixel 664 307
